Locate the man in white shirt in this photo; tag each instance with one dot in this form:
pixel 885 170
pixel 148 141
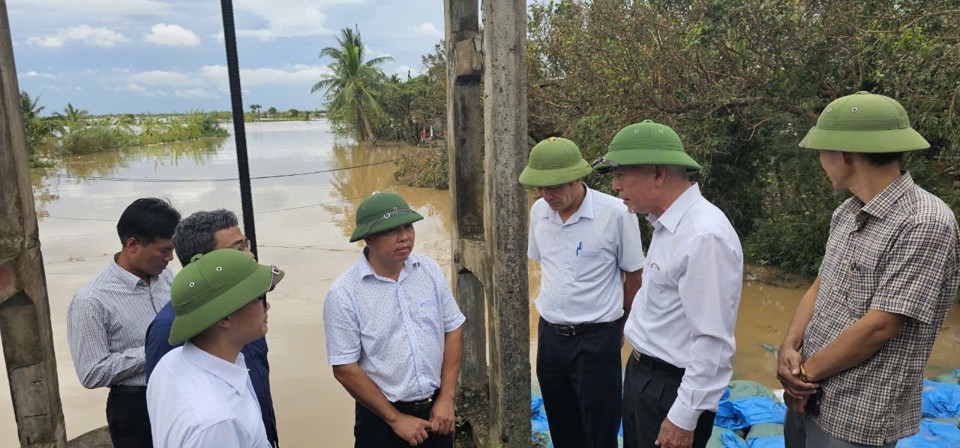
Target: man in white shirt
pixel 200 394
pixel 683 319
pixel 588 246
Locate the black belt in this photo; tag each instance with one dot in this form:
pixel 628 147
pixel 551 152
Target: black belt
pixel 128 389
pixel 573 330
pixel 658 364
pixel 412 406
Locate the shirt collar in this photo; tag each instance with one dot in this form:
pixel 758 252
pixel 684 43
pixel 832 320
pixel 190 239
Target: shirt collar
pixel 882 203
pixel 670 219
pixel 366 269
pixel 234 374
pixel 126 277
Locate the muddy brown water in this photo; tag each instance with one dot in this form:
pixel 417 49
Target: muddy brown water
pixel 303 224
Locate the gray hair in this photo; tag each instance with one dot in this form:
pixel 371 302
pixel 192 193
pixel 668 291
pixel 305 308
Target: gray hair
pixel 194 234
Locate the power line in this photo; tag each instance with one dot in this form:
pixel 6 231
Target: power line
pixel 215 179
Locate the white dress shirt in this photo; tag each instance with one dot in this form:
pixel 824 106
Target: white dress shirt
pixel 686 310
pixel 198 400
pixel 393 329
pixel 581 259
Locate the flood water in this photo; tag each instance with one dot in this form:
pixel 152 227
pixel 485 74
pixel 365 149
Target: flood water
pixel 303 224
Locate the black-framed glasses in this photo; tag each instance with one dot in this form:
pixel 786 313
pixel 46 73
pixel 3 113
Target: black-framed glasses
pixel 386 216
pixel 609 166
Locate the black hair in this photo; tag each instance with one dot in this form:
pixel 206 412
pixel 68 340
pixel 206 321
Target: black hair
pixel 882 158
pixel 148 220
pixel 195 234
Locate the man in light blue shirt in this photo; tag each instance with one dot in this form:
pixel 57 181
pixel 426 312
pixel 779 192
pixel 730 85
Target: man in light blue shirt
pixel 588 246
pixel 393 333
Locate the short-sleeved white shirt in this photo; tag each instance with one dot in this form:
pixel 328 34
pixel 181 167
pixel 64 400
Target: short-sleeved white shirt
pixel 581 260
pixel 393 329
pixel 198 400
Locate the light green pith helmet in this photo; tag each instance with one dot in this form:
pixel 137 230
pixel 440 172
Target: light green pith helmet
pixel 864 122
pixel 645 143
pixel 554 161
pixel 380 212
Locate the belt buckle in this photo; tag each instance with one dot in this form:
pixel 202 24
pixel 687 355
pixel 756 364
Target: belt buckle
pixel 566 330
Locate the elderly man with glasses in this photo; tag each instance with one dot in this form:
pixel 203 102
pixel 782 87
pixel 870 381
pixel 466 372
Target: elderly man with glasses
pixel 393 333
pixel 200 233
pixel 588 246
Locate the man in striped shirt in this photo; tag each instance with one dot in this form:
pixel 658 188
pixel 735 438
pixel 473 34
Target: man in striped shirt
pixel 108 317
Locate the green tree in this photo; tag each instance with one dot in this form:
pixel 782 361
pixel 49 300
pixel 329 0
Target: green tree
pixel 70 120
pixel 353 90
pixel 37 129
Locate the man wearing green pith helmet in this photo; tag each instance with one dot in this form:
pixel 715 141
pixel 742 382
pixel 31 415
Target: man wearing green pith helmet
pixel 853 357
pixel 683 319
pixel 394 335
pixel 588 246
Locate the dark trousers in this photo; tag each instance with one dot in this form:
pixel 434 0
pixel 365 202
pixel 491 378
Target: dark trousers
pixel 801 431
pixel 649 390
pixel 580 380
pixel 128 418
pixel 371 431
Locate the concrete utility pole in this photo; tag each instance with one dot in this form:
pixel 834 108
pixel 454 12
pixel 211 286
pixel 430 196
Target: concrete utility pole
pixel 24 309
pixel 487 145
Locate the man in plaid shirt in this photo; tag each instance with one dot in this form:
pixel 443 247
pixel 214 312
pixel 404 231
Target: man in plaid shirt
pixel 853 357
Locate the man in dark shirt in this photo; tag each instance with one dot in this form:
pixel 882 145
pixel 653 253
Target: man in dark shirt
pixel 200 233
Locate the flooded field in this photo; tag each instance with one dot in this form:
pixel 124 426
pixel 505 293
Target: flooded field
pixel 303 223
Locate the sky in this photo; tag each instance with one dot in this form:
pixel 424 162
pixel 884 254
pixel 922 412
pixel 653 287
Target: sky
pixel 159 56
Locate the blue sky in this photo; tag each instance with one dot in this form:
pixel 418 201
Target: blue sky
pixel 110 56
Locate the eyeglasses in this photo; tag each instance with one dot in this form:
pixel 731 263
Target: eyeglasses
pixel 274 278
pixel 263 301
pixel 387 216
pixel 243 246
pixel 609 165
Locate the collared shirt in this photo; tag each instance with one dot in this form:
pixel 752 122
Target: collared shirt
pixel 896 254
pixel 581 259
pixel 686 310
pixel 394 330
pixel 106 323
pixel 254 353
pixel 198 400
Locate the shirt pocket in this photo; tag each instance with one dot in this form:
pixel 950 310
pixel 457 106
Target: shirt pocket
pixel 659 291
pixel 590 265
pixel 429 313
pixel 861 283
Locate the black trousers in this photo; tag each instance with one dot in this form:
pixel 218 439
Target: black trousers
pixel 128 418
pixel 371 431
pixel 649 390
pixel 580 380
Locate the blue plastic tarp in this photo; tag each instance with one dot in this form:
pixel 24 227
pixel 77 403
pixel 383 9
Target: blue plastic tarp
pixel 732 440
pixel 746 412
pixel 766 442
pixel 940 399
pixel 933 435
pixel 538 421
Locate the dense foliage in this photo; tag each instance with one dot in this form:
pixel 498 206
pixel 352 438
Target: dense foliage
pixel 741 82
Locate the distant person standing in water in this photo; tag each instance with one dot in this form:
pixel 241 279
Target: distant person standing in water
pixel 853 357
pixel 394 335
pixel 108 317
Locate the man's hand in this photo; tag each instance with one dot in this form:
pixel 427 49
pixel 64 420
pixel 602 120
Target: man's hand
pixel 411 429
pixel 798 405
pixel 788 372
pixel 442 417
pixel 673 436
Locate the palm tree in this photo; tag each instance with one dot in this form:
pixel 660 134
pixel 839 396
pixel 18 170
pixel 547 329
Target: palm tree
pixel 353 89
pixel 29 107
pixel 71 119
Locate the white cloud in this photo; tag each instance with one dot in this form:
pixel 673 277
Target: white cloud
pixel 288 18
pixel 172 35
pixel 35 74
pixel 100 37
pixel 427 29
pixel 193 93
pixel 94 8
pixel 137 88
pixel 164 78
pixel 290 74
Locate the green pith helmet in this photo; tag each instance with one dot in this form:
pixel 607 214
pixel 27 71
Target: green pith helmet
pixel 864 122
pixel 645 143
pixel 213 286
pixel 554 161
pixel 380 212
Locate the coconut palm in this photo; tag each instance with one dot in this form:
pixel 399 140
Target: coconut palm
pixel 353 89
pixel 71 119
